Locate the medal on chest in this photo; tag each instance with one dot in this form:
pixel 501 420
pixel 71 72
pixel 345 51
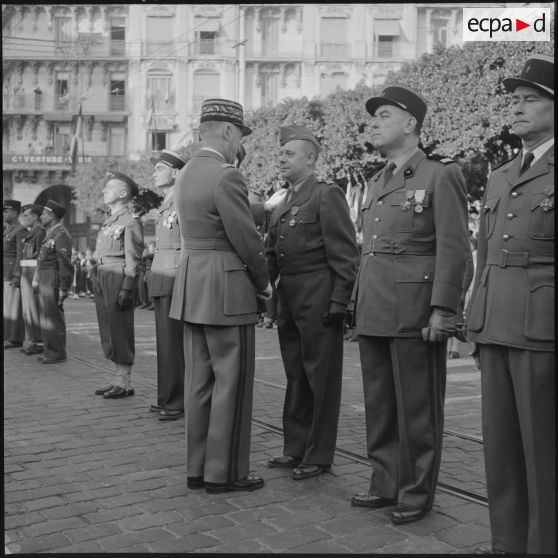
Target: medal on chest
pixel 294 212
pixel 548 203
pixel 406 205
pixel 419 198
pixel 114 231
pixel 170 219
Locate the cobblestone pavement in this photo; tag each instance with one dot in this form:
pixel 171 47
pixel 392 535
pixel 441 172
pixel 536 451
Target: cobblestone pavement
pixel 84 474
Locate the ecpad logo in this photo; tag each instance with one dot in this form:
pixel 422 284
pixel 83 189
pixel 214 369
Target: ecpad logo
pixel 506 24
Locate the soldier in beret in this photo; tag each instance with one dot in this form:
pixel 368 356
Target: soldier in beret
pixel 52 280
pixel 511 319
pixel 30 246
pixel 415 246
pixel 119 248
pixel 169 332
pixel 312 258
pixel 222 268
pixel 14 330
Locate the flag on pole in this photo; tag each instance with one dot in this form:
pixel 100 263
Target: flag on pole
pixel 151 113
pixel 75 139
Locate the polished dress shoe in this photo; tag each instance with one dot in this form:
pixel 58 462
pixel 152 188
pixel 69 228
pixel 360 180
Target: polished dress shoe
pixel 304 471
pixel 406 514
pixel 117 392
pixel 170 414
pixel 367 500
pixel 283 462
pixel 12 344
pixel 489 550
pixel 195 482
pixel 155 408
pixel 33 350
pixel 50 360
pixel 247 483
pixel 103 390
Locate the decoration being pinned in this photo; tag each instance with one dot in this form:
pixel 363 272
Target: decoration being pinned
pixel 294 211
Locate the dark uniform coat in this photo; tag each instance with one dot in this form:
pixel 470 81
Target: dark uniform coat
pixel 119 248
pixel 13 314
pixel 54 272
pixel 415 245
pixel 314 253
pixel 511 317
pixel 222 265
pixel 170 332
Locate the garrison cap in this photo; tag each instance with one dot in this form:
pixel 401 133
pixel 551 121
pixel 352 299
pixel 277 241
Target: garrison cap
pixel 55 208
pixel 537 72
pixel 399 96
pixel 12 204
pixel 294 132
pixel 224 110
pixel 125 178
pixel 34 208
pixel 170 158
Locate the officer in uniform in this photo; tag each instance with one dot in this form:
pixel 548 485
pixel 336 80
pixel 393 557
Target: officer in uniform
pixel 410 281
pixel 511 319
pixel 222 268
pixel 14 330
pixel 51 281
pixel 313 254
pixel 30 246
pixel 169 332
pixel 119 248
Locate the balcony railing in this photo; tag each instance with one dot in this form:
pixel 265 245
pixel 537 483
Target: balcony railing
pixel 164 49
pixel 79 48
pixel 117 102
pixel 386 49
pixel 334 50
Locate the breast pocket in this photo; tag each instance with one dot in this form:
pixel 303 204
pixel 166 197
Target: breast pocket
pixel 541 223
pixel 411 216
pixel 489 209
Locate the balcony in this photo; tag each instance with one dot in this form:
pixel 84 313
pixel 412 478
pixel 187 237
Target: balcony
pixel 386 50
pixel 81 48
pixel 164 50
pixel 118 102
pixel 334 51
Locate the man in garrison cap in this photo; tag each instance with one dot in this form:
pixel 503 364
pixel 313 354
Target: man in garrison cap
pixel 119 248
pixel 312 257
pixel 222 269
pixel 52 280
pixel 14 330
pixel 31 242
pixel 169 332
pixel 511 319
pixel 414 251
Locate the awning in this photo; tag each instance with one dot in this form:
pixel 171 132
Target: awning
pixel 389 27
pixel 207 24
pixel 110 117
pixel 59 117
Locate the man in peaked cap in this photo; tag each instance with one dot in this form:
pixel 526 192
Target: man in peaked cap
pixel 14 330
pixel 313 254
pixel 52 279
pixel 511 319
pixel 406 299
pixel 119 249
pixel 221 270
pixel 169 332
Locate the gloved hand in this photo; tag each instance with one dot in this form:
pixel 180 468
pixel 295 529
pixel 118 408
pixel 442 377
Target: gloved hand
pixel 124 301
pixel 16 282
pixel 62 296
pixel 350 319
pixel 475 353
pixel 35 285
pixel 461 332
pixel 442 324
pixel 265 294
pixel 335 315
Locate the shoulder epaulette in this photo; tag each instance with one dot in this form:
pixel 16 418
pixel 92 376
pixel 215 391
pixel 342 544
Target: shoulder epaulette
pixel 504 162
pixel 227 165
pixel 440 158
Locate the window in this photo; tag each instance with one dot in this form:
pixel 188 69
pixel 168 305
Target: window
pixel 62 99
pixel 207 33
pixel 117 94
pixel 62 30
pixel 270 35
pixel 206 86
pixel 117 141
pixel 158 141
pixel 386 46
pixel 269 82
pixel 117 35
pixel 159 93
pixel 159 34
pixel 334 37
pixel 440 31
pixel 387 37
pixel 329 83
pixel 62 137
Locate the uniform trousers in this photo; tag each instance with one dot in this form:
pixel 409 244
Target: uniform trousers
pixel 53 322
pixel 14 329
pixel 219 382
pixel 404 387
pixel 519 431
pixel 313 360
pixel 116 327
pixel 170 356
pixel 30 305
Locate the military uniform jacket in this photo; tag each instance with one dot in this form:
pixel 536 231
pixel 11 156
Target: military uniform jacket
pixel 11 245
pixel 513 296
pixel 55 253
pixel 121 240
pixel 222 260
pixel 415 246
pixel 31 242
pixel 167 251
pixel 314 231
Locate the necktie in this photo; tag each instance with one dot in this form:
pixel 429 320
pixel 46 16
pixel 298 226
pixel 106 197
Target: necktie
pixel 527 160
pixel 290 193
pixel 389 173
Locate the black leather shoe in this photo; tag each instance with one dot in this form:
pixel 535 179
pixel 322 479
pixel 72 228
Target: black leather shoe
pixel 103 390
pixel 47 360
pixel 283 462
pixel 304 471
pixel 170 414
pixel 12 344
pixel 367 500
pixel 489 550
pixel 247 483
pixel 195 482
pixel 117 392
pixel 33 350
pixel 155 408
pixel 406 514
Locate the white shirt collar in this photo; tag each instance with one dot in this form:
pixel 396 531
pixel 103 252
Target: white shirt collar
pixel 400 160
pixel 539 151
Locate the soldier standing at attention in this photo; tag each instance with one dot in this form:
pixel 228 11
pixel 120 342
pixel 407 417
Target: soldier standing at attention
pixel 410 282
pixel 14 329
pixel 511 319
pixel 119 249
pixel 30 247
pixel 169 332
pixel 313 255
pixel 52 281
